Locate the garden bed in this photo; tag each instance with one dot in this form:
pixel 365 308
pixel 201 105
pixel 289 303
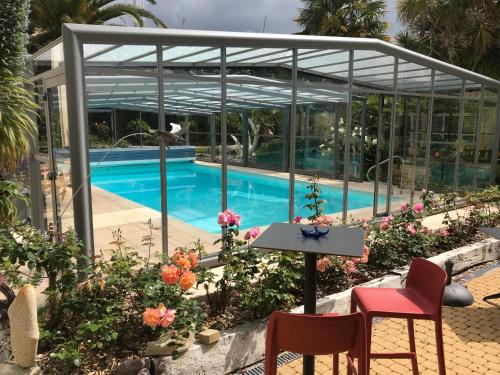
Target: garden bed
pixel 245 344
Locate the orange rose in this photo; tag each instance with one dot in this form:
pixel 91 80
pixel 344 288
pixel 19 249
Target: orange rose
pixel 170 274
pixel 187 280
pixel 193 259
pixel 183 262
pixel 151 317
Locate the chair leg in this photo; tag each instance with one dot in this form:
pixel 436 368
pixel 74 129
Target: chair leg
pixel 440 346
pixel 353 305
pixel 413 349
pixel 369 322
pixel 353 310
pixel 335 363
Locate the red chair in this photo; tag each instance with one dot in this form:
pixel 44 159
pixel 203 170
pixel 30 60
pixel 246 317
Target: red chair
pixel 422 298
pixel 312 334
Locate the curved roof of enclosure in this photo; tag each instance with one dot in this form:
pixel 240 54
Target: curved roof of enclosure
pixel 121 69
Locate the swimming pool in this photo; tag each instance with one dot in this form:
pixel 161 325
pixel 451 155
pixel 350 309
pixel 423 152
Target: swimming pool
pixel 194 193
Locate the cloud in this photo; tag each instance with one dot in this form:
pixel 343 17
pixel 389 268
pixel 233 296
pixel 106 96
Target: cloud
pixel 229 15
pixel 239 15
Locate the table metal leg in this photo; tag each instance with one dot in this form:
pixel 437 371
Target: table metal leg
pixel 309 302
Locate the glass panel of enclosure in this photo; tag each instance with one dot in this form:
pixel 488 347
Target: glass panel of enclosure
pixel 322 98
pixel 445 131
pixel 47 60
pixel 414 85
pixel 259 95
pixel 60 158
pixel 122 112
pixel 373 79
pixel 192 102
pixel 486 138
pixel 468 142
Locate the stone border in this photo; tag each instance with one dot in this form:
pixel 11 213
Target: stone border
pixel 245 345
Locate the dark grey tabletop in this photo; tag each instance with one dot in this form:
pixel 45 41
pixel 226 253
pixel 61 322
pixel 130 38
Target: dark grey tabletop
pixel 491 231
pixel 339 241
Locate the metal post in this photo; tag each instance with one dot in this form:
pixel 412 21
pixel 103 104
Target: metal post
pixel 245 135
pixel 362 142
pixel 163 152
pixel 478 133
pixel 494 149
pixel 307 132
pixel 78 137
pixel 213 137
pixel 114 125
pixel 429 132
pixel 392 132
pixel 459 142
pixel 223 140
pixel 336 143
pixel 285 139
pixel 293 133
pixel 416 125
pixel 380 136
pixel 309 303
pixel 347 150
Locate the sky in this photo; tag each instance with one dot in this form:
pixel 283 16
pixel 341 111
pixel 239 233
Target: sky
pixel 239 15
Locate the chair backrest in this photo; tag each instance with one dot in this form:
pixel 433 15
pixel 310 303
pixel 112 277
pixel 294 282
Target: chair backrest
pixel 429 280
pixel 315 334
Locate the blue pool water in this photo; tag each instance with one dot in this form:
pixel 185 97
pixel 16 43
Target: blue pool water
pixel 194 193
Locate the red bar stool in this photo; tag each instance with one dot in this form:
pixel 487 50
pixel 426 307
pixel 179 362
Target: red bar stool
pixel 422 298
pixel 312 334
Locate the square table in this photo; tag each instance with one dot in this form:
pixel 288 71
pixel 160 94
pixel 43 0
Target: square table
pixel 341 241
pixel 495 233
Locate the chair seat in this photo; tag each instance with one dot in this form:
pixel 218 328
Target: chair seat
pixel 392 302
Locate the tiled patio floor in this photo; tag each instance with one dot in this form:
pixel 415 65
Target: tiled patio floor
pixel 472 339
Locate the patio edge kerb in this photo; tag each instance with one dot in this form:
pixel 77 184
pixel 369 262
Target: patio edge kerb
pixel 244 345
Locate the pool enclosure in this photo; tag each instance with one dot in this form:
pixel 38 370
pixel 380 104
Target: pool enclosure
pixel 255 115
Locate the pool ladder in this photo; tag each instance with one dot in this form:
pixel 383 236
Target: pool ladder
pixel 385 161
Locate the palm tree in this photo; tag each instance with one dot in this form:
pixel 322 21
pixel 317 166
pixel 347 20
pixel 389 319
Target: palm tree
pixel 464 33
pixel 47 16
pixel 353 18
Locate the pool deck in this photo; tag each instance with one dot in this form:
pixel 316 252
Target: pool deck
pixel 112 212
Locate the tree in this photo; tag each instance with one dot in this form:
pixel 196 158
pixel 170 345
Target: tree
pixel 350 18
pixel 47 16
pixel 16 105
pixel 463 33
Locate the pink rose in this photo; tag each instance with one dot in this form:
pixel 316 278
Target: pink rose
pixel 222 219
pixel 444 232
pixel 419 207
pixel 404 207
pixel 410 228
pixel 323 221
pixel 228 217
pixel 387 219
pixel 252 233
pixel 384 226
pixel 297 219
pixel 160 316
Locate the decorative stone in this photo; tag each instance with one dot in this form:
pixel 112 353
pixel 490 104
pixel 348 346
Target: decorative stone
pixel 11 369
pixel 169 343
pixel 133 367
pixel 209 336
pixel 24 326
